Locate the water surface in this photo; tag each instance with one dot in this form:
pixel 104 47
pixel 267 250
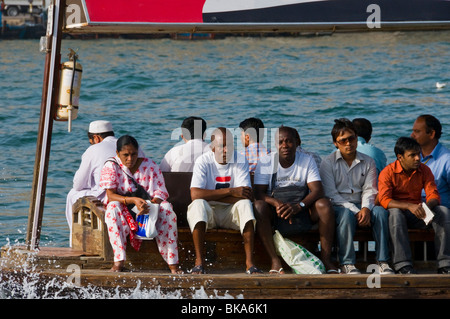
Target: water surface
pixel 147 87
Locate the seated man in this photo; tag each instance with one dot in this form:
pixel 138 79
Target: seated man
pixel 252 136
pixel 87 177
pixel 290 197
pixel 221 197
pixel 426 131
pixel 400 191
pixel 363 129
pixel 181 158
pixel 349 178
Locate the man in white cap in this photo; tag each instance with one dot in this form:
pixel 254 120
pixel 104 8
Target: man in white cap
pixel 86 179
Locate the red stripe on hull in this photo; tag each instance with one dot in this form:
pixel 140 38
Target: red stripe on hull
pixel 168 11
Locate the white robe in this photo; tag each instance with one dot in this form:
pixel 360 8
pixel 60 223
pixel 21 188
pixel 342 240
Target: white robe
pixel 87 178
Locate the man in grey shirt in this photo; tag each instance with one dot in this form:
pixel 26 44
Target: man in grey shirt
pixel 349 179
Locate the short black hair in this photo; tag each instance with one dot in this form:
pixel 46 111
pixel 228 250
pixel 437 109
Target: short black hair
pixel 255 123
pixel 432 123
pixel 340 125
pixel 404 144
pixel 188 127
pixel 363 128
pixel 126 140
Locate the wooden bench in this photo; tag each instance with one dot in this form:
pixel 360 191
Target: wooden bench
pixel 224 248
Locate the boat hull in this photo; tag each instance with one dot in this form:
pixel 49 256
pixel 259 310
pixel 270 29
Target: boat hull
pixel 335 11
pixel 276 16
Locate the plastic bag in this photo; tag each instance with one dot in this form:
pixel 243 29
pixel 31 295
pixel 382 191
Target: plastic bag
pixel 297 257
pixel 147 222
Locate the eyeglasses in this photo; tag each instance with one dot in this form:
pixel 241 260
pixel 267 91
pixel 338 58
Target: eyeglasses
pixel 346 140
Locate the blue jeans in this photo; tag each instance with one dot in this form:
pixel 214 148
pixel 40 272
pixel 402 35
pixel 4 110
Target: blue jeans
pixel 345 231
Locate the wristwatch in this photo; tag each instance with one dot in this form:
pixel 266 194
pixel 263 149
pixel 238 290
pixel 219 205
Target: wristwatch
pixel 302 205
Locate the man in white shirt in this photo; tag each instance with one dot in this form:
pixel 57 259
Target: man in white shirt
pixel 290 197
pixel 350 181
pixel 221 197
pixel 87 177
pixel 181 158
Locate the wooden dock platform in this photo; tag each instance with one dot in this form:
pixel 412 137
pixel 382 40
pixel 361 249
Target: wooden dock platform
pixel 57 265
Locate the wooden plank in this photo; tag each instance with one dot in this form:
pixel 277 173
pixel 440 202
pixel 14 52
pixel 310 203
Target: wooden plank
pixel 231 282
pixel 269 286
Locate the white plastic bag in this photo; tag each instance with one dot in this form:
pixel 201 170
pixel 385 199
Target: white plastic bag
pixel 297 257
pixel 146 222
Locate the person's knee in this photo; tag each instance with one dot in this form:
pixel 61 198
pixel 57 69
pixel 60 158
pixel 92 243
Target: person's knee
pixel 168 209
pixel 198 211
pixel 244 202
pixel 442 214
pixel 396 216
pixel 345 216
pixel 111 211
pixel 197 205
pixel 323 206
pixel 112 204
pixel 380 214
pixel 198 202
pixel 261 209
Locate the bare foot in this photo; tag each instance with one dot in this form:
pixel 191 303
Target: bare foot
pixel 117 267
pixel 176 270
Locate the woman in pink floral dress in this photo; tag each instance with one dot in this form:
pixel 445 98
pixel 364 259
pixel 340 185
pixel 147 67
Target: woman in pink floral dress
pixel 119 220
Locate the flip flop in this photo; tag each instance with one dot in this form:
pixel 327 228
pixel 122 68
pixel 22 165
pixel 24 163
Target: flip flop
pixel 253 270
pixel 197 270
pixel 278 272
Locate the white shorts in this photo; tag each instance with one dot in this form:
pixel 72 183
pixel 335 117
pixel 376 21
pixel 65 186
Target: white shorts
pixel 221 215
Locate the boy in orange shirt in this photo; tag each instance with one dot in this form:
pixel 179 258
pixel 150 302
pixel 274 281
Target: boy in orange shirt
pixel 400 187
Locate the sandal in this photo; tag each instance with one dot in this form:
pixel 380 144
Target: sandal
pixel 253 270
pixel 197 270
pixel 278 272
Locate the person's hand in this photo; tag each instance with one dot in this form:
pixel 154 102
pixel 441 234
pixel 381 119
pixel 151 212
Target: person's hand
pixel 363 217
pixel 141 205
pixel 417 210
pixel 287 211
pixel 242 192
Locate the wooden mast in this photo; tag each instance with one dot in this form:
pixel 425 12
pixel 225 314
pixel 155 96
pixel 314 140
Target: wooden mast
pixel 56 15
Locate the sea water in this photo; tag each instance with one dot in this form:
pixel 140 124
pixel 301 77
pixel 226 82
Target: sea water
pixel 147 87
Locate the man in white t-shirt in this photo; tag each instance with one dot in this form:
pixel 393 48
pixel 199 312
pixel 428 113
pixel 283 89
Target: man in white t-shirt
pixel 290 197
pixel 221 197
pixel 181 158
